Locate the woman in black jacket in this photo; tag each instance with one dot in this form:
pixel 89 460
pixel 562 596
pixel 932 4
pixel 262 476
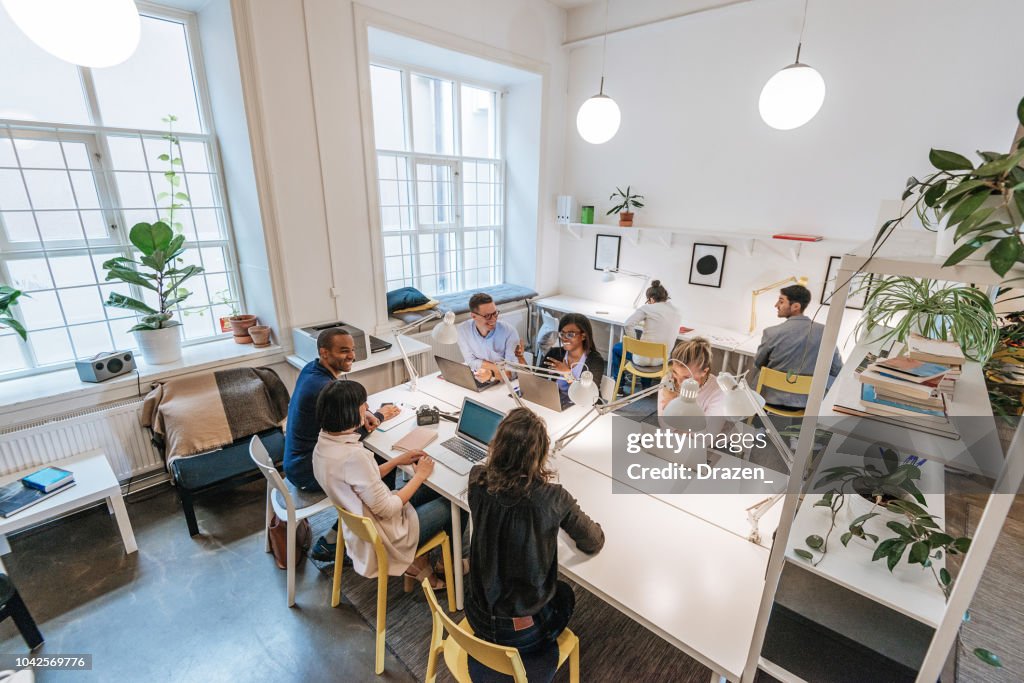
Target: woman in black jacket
pixel 514 596
pixel 575 353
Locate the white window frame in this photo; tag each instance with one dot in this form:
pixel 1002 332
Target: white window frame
pixel 111 206
pixel 456 160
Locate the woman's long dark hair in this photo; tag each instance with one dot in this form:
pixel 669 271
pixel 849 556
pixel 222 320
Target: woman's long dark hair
pixel 337 406
pixel 583 322
pixel 518 454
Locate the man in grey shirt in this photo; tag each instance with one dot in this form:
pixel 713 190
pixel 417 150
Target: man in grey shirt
pixel 792 347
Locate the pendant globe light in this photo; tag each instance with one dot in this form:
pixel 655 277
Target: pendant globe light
pixel 92 33
pixel 793 96
pixel 598 118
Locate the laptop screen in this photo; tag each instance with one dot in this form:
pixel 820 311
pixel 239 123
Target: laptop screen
pixel 478 422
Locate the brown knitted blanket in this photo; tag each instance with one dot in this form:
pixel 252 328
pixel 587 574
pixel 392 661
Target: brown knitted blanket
pixel 198 413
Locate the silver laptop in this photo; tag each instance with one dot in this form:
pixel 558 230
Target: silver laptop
pixel 476 428
pixel 541 391
pixel 461 375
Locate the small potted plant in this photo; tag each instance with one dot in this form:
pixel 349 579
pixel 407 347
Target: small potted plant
pixel 627 202
pixel 8 298
pixel 260 335
pixel 902 305
pixel 161 246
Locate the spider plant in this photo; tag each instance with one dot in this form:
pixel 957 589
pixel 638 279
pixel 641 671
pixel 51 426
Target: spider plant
pixel 927 307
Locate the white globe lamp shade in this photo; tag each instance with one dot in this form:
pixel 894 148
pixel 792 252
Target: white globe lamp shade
pixel 686 404
pixel 739 398
pixel 445 332
pixel 607 276
pixel 598 119
pixel 92 33
pixel 584 391
pixel 792 97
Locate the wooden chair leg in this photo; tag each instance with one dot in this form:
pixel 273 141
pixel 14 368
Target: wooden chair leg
pixel 618 379
pixel 449 582
pixel 269 517
pixel 291 564
pixel 574 664
pixel 339 556
pixel 382 615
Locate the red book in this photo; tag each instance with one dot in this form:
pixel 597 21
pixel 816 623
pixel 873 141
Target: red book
pixel 797 236
pixel 684 330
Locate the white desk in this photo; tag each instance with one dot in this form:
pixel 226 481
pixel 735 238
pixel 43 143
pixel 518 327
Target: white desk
pixel 94 480
pixel 693 582
pixel 412 346
pixel 908 589
pixel 723 338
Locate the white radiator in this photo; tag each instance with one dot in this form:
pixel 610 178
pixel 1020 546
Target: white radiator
pixel 425 362
pixel 114 428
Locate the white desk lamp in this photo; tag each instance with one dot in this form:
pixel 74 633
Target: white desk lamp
pixel 802 280
pixel 742 401
pixel 588 418
pixel 444 333
pixel 583 391
pixel 610 273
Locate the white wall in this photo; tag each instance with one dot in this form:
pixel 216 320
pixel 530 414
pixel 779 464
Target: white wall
pixel 901 78
pixel 303 81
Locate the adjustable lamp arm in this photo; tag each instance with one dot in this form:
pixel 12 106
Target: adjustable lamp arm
pixel 756 511
pixel 413 375
pixel 596 411
pixel 504 365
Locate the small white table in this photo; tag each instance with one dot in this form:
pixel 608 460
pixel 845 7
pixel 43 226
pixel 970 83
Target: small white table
pixel 94 480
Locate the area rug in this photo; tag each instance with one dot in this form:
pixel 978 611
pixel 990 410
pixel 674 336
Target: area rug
pixel 612 646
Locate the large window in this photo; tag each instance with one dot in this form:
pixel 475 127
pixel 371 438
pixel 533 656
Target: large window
pixel 79 166
pixel 440 179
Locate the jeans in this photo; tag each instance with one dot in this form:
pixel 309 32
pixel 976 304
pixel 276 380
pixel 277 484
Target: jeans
pixel 536 644
pixel 435 515
pixel 613 366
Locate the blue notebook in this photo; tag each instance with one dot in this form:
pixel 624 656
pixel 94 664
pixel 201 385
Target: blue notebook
pixel 48 479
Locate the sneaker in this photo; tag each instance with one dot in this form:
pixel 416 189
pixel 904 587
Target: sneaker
pixel 322 551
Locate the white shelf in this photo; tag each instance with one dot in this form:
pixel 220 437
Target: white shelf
pixel 665 236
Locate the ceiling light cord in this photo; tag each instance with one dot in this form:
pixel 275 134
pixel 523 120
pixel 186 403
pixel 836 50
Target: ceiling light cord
pixel 803 23
pixel 604 44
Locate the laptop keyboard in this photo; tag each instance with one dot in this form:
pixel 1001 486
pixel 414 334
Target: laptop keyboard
pixel 466 450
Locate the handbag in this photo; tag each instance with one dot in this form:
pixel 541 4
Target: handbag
pixel 278 531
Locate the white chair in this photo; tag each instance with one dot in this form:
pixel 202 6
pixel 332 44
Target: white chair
pixel 281 501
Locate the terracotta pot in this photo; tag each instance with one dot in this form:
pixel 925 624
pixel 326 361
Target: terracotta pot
pixel 240 325
pixel 260 335
pixel 626 219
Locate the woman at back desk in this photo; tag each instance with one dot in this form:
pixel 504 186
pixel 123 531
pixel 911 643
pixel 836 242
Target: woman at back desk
pixel 575 353
pixel 514 596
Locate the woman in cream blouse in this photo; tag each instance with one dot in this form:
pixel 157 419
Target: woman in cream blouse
pixel 405 518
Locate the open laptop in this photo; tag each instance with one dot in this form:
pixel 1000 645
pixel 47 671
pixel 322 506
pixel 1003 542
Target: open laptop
pixel 541 391
pixel 476 428
pixel 461 375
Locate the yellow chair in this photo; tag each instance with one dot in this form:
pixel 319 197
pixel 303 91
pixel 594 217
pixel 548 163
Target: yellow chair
pixel 461 643
pixel 639 347
pixel 364 529
pixel 774 379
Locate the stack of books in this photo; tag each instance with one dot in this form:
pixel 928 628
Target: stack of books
pixel 903 391
pixel 33 488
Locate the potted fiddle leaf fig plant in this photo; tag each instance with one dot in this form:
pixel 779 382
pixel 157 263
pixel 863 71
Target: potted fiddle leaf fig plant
pixel 627 202
pixel 8 298
pixel 983 205
pixel 158 268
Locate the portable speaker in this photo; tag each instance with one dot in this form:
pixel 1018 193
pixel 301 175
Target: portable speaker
pixel 103 366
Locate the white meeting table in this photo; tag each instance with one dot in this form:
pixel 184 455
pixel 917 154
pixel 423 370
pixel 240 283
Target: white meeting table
pixel 727 340
pixel 696 583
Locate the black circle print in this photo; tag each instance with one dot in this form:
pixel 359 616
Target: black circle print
pixel 707 264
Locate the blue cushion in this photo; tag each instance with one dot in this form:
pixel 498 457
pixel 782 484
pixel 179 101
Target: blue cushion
pixel 406 297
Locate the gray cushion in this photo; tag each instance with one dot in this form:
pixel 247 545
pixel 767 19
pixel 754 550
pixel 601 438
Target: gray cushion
pixel 302 499
pixel 458 302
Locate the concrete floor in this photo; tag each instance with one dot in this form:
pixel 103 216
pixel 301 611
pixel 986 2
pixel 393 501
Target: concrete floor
pixel 208 608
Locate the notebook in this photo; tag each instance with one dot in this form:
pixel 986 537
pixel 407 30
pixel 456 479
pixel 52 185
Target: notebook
pixel 15 497
pixel 416 440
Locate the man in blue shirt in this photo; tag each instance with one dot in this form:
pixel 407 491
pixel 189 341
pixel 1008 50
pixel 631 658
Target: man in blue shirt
pixel 337 352
pixel 484 340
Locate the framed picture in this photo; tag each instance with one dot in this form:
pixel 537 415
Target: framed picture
pixel 707 264
pixel 606 252
pixel 859 286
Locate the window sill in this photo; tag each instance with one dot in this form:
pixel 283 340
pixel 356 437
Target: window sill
pixel 38 396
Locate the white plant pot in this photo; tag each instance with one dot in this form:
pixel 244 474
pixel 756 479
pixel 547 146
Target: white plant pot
pixel 160 346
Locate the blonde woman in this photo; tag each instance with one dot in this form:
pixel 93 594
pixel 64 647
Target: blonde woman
pixel 692 359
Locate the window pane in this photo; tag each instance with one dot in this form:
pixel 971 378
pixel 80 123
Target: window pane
pixel 55 226
pixel 82 305
pixel 48 88
pixel 49 189
pixel 12 190
pixel 198 322
pixel 34 153
pixel 7 151
pixel 134 190
pixel 123 339
pixel 29 274
pixel 433 119
pixel 156 81
pixel 70 271
pixel 207 223
pixel 388 108
pixel 84 185
pixel 200 190
pixel 213 259
pixel 195 156
pixel 126 153
pixel 19 226
pixel 479 122
pixel 52 346
pixel 41 311
pixel 10 352
pixel 76 155
pixel 90 339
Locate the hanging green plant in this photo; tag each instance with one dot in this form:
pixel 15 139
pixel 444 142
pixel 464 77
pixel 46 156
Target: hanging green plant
pixel 8 298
